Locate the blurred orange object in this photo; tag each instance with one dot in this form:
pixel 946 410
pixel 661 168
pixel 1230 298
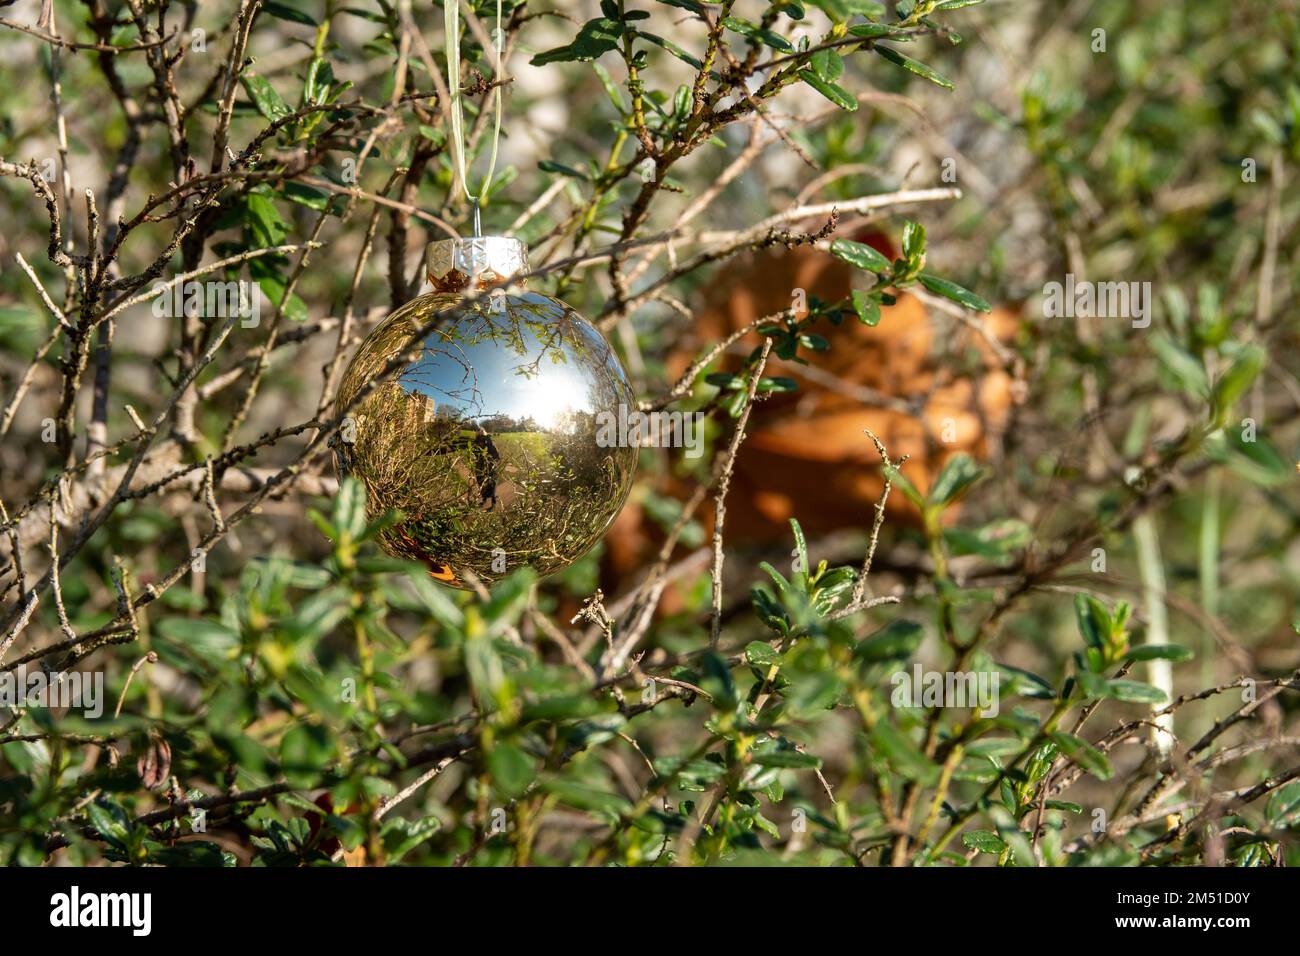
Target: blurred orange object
pixel 806 453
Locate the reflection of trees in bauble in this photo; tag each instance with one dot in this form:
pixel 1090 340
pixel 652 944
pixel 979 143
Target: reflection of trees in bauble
pixel 555 491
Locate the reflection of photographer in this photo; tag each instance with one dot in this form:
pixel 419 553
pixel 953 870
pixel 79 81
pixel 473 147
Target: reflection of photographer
pixel 486 457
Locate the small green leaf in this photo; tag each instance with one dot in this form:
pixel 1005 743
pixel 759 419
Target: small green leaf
pixel 371 15
pixel 264 97
pixel 485 667
pixel 1233 383
pixel 1135 692
pixel 994 540
pixel 995 747
pixel 675 50
pixel 305 749
pixel 692 5
pixel 873 31
pixel 913 241
pixel 787 759
pixel 861 255
pixel 1027 684
pixel 832 91
pixel 897 640
pixel 551 166
pixel 724 380
pixel 586 798
pixel 800 545
pixel 907 63
pixel 985 841
pixel 286 12
pixel 867 308
pixel 266 226
pixel 903 755
pixel 1161 652
pixel 897 478
pixel 752 31
pixel 762 655
pixel 1251 455
pixel 1084 754
pixel 304 195
pixel 400 836
pixel 350 507
pixel 110 820
pixel 769 611
pixel 611 88
pixel 596 38
pixel 1065 805
pixel 561 707
pixel 717 680
pixel 951 290
pixel 777 383
pixel 956 478
pixel 1093 620
pixel 777 577
pixel 511 769
pixel 828 65
pixel 202 637
pixel 1185 368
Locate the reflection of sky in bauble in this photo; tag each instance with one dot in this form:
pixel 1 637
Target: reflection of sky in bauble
pixel 513 371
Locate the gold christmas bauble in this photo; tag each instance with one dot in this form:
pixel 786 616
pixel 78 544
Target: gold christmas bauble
pixel 487 433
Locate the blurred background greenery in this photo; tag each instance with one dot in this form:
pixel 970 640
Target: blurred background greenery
pixel 303 681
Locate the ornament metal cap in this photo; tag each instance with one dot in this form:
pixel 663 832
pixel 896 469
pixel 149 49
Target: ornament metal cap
pixel 456 264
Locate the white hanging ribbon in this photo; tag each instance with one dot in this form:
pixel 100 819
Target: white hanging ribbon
pixel 451 11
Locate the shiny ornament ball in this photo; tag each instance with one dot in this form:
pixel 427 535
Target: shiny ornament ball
pixel 486 433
